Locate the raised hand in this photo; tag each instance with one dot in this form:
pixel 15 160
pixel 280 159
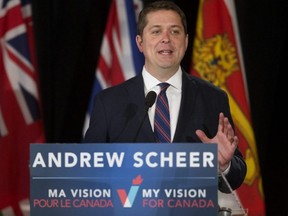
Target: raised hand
pixel 226 140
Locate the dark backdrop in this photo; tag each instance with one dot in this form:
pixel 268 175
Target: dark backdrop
pixel 68 36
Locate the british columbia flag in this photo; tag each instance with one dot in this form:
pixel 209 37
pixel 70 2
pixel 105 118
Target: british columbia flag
pixel 119 58
pixel 20 114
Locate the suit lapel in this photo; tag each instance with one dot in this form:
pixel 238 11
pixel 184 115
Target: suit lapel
pixel 184 133
pixel 135 90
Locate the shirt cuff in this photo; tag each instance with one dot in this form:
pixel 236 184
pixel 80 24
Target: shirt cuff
pixel 226 170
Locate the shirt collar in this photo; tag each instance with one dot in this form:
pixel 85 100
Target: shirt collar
pixel 150 82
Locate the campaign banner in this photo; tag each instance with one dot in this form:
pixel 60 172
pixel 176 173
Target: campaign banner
pixel 123 179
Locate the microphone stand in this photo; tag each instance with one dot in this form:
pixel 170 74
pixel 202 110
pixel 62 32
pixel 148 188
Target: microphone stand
pixel 149 101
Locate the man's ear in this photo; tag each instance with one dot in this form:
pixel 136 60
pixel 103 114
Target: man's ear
pixel 139 42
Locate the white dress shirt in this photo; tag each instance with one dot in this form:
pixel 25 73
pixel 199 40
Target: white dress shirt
pixel 173 94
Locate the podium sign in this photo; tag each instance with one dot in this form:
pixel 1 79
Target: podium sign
pixel 123 179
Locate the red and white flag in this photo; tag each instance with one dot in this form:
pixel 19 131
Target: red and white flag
pixel 119 58
pixel 20 113
pixel 217 57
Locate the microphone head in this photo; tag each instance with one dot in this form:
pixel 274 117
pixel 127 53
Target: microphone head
pixel 150 99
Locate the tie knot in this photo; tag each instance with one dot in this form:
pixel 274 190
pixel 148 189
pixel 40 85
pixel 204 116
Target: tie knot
pixel 164 86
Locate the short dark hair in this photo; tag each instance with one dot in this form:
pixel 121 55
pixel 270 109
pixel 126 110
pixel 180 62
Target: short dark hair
pixel 156 6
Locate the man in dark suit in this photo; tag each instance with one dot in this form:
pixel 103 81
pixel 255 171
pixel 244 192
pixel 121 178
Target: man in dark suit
pixel 199 111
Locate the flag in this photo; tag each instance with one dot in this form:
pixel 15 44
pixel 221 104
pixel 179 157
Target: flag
pixel 20 113
pixel 217 57
pixel 119 58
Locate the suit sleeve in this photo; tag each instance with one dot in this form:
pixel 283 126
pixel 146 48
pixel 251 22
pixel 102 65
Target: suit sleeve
pixel 238 168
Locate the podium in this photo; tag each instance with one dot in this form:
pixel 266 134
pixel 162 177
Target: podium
pixel 123 179
pixel 230 202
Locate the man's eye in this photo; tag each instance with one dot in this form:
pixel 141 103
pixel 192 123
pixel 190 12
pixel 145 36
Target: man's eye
pixel 175 32
pixel 155 32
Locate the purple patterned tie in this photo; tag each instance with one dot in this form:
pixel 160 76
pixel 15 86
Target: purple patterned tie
pixel 162 116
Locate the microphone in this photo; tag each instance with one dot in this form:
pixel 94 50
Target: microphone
pixel 149 101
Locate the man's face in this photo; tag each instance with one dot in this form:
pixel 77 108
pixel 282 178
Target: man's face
pixel 163 42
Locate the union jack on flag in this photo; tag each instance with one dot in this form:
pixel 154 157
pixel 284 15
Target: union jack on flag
pixel 119 58
pixel 20 114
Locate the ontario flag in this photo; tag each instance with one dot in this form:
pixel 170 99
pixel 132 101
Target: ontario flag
pixel 119 58
pixel 20 114
pixel 217 57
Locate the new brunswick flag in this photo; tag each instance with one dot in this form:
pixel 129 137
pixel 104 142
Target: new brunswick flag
pixel 217 57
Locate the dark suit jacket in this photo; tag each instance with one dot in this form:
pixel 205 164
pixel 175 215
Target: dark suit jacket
pixel 119 110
